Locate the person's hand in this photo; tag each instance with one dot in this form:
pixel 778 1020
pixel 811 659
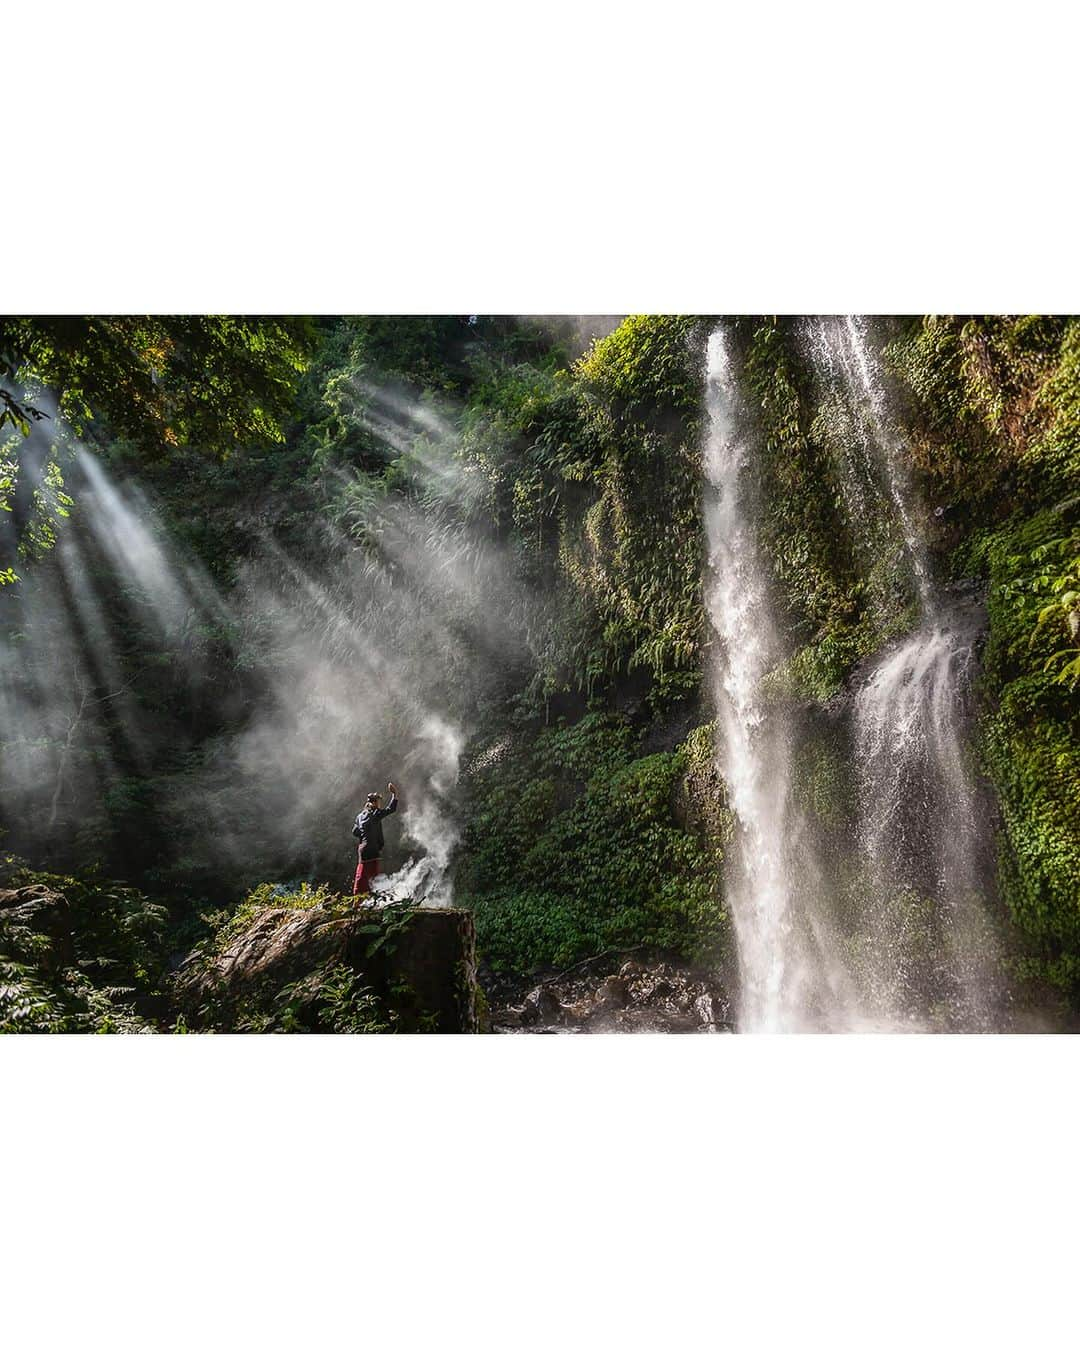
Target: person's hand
pixel 390 786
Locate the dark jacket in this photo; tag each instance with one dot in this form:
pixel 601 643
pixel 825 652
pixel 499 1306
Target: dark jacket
pixel 370 824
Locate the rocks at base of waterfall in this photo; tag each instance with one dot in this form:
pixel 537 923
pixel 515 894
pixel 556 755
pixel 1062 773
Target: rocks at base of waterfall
pixel 642 996
pixel 612 994
pixel 541 1006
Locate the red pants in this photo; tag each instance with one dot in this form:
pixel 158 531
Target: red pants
pixel 365 872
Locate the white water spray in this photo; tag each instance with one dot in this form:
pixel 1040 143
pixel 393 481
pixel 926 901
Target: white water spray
pixel 790 976
pixel 928 951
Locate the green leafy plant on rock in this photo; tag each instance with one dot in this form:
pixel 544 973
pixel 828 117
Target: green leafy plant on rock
pixel 573 847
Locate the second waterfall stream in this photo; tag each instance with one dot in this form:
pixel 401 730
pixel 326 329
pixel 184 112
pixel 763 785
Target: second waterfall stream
pixel 889 930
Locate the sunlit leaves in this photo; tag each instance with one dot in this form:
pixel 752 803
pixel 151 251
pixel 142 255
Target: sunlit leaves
pixel 215 381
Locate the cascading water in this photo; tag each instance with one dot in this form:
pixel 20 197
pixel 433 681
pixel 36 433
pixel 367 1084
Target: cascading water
pixel 791 977
pixel 928 952
pixel 896 934
pixel 841 352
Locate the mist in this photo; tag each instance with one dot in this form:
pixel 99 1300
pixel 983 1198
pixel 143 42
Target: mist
pixel 576 332
pixel 307 682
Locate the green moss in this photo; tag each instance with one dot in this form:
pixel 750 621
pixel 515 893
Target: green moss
pixel 822 778
pixel 704 801
pixel 816 671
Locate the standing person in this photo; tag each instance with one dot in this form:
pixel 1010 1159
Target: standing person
pixel 368 831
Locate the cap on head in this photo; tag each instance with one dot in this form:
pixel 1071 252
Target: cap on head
pixel 374 797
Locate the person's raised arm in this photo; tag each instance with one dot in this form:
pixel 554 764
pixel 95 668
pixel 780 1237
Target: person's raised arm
pixel 393 800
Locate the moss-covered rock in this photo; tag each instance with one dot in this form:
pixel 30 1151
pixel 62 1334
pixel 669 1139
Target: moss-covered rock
pixel 333 966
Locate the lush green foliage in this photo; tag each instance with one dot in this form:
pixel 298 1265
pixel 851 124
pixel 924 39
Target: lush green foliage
pixel 159 380
pixel 118 954
pixel 1059 582
pixel 645 371
pixel 333 1000
pixel 634 552
pixel 572 847
pixel 1031 738
pixel 157 383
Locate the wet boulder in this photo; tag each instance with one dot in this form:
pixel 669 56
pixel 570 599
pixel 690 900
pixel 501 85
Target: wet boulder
pixel 542 1006
pixel 613 993
pixel 645 995
pixel 709 1011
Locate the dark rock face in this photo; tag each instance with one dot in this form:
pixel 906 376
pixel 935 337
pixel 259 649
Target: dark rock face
pixel 642 996
pixel 425 956
pixel 45 912
pixel 436 959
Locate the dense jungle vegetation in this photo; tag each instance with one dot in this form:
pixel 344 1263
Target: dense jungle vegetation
pixel 563 629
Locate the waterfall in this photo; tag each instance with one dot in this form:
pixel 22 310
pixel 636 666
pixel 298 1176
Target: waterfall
pixel 928 952
pixel 790 975
pixel 908 944
pixel 840 351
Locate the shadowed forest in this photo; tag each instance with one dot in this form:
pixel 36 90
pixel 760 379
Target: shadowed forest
pixel 727 668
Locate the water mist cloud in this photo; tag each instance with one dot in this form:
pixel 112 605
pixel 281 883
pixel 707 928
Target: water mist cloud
pixel 365 661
